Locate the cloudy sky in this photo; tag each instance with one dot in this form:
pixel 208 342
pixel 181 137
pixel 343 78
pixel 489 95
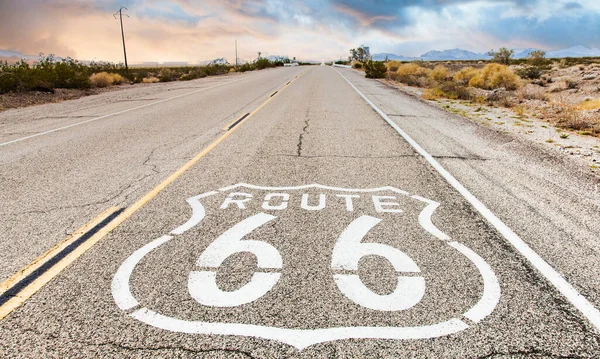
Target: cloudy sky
pixel 197 30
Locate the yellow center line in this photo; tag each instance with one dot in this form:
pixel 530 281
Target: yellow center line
pixel 47 276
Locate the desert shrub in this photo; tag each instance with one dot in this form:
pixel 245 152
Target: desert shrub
pixel 167 75
pixel 71 74
pixel 101 79
pixel 439 73
pixel 572 84
pixel 45 75
pixel 393 66
pixel 465 75
pixel 375 69
pixel 453 90
pixel 563 64
pixel 502 56
pixel 502 98
pixel 532 93
pixel 150 80
pixel 496 76
pixel 412 75
pixel 433 94
pixel 357 65
pixel 117 79
pixel 412 69
pixel 537 58
pixel 262 63
pixel 530 72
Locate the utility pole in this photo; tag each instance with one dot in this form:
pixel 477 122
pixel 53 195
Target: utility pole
pixel 120 12
pixel 236 62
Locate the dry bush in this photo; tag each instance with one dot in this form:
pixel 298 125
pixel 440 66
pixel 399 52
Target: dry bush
pixel 412 69
pixel 412 75
pixel 567 116
pixel 453 90
pixel 439 73
pixel 433 94
pixel 496 76
pixel 117 79
pixel 150 80
pixel 465 75
pixel 519 110
pixel 101 79
pixel 105 79
pixel 532 93
pixel 393 66
pixel 502 98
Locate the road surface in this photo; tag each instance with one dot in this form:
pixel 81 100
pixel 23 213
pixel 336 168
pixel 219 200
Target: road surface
pixel 291 213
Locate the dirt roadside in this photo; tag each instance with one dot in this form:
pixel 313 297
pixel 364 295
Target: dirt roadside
pixel 583 149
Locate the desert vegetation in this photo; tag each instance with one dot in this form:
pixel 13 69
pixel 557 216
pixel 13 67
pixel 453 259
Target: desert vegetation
pixel 564 92
pixel 48 74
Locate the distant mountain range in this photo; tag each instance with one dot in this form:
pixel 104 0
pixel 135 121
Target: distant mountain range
pixel 434 55
pixel 459 54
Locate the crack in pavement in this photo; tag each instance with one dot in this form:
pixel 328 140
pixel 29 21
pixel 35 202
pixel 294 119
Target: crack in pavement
pixel 304 132
pixel 337 156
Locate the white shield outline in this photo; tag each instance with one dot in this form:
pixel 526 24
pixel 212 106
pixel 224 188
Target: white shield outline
pixel 302 338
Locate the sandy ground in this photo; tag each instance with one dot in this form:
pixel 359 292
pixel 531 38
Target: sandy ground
pixel 585 149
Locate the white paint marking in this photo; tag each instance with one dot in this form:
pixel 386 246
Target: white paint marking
pixel 231 242
pixel 239 201
pixel 304 203
pixel 119 112
pixel 198 213
pixel 202 285
pixel 559 282
pixel 283 205
pixel 120 284
pixel 299 338
pixel 427 224
pixel 348 197
pixel 386 207
pixel 348 252
pixel 491 287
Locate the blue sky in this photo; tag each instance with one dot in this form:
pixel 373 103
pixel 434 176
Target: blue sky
pixel 194 30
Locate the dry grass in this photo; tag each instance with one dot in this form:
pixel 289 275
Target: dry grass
pixel 393 66
pixel 412 69
pixel 567 116
pixel 589 105
pixel 439 73
pixel 465 75
pixel 105 79
pixel 150 80
pixel 101 79
pixel 433 94
pixel 496 76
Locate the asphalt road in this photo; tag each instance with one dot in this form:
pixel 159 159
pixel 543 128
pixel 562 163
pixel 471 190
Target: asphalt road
pixel 315 229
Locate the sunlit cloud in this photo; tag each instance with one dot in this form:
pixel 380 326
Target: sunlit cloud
pixel 194 30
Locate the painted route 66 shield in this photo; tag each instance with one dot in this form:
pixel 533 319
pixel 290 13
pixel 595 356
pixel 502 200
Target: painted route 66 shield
pixel 305 265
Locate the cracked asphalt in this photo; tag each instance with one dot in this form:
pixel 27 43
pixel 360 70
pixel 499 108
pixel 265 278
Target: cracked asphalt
pixel 312 231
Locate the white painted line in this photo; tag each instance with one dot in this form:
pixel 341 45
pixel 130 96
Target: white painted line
pixel 557 280
pixel 120 284
pixel 299 338
pixel 121 112
pixel 491 288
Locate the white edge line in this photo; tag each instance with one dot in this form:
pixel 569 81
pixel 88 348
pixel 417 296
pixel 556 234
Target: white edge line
pixel 121 112
pixel 557 280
